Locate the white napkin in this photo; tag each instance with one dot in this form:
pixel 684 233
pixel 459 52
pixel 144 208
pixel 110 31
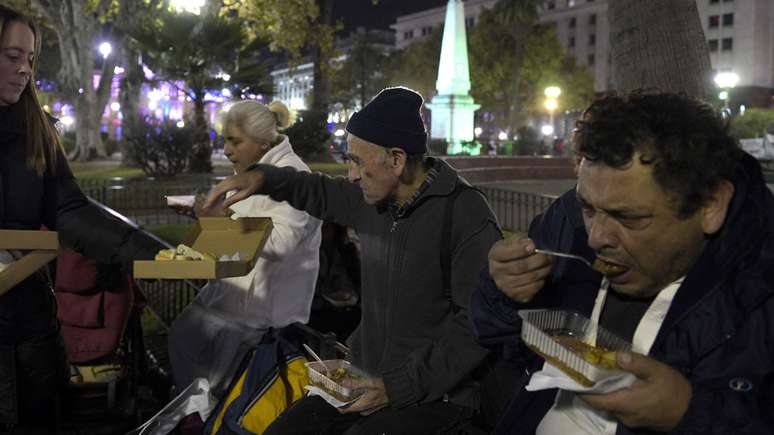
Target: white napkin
pixel 336 403
pixel 225 257
pixel 181 200
pixel 552 377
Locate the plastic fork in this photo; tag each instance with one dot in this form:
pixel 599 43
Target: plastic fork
pixel 315 356
pixel 563 255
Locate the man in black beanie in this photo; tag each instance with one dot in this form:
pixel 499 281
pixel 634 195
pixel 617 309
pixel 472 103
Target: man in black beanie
pixel 425 235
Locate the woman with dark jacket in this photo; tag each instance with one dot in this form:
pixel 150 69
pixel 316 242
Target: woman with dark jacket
pixel 38 189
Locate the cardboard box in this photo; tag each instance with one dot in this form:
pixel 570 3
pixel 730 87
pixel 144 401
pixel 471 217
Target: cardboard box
pixel 217 237
pixel 44 247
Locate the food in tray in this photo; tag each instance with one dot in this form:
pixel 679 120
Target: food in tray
pixel 182 253
pixel 598 356
pixel 337 376
pixel 607 268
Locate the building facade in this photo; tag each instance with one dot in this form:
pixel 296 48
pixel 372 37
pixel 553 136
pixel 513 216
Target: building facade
pixel 739 33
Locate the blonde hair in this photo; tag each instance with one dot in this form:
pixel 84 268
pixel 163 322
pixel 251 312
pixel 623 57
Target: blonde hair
pixel 42 138
pixel 261 123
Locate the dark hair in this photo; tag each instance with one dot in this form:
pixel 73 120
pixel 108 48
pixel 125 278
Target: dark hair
pixel 686 141
pixel 42 138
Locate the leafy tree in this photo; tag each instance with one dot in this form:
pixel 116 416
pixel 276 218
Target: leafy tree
pixel 77 24
pixel 543 63
pixel 161 149
pixel 416 66
pixel 292 26
pixel 518 18
pixel 754 123
pixel 181 46
pixel 361 75
pixel 309 135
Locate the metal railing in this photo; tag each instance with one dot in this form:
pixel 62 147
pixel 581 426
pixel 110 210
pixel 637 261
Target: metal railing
pixel 515 210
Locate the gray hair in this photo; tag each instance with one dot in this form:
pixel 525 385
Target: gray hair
pixel 260 122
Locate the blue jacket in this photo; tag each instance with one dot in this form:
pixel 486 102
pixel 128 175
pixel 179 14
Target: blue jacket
pixel 718 332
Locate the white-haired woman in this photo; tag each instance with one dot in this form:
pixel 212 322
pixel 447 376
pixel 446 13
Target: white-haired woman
pixel 229 316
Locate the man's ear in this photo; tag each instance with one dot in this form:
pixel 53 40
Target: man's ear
pixel 715 209
pixel 396 160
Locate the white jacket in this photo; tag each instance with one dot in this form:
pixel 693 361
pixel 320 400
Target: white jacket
pixel 279 289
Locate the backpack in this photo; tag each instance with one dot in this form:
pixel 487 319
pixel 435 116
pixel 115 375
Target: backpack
pixel 269 380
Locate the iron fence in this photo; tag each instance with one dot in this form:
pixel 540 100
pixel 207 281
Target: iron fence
pixel 515 210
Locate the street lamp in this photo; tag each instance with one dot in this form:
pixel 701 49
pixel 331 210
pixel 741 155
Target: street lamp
pixel 725 81
pixel 105 49
pixel 551 103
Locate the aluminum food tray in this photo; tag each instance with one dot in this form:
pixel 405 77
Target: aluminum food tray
pixel 317 376
pixel 539 326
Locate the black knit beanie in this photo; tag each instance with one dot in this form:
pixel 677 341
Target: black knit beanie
pixel 392 120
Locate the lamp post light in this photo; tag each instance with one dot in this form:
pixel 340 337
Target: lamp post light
pixel 726 81
pixel 551 103
pixel 105 49
pixel 191 6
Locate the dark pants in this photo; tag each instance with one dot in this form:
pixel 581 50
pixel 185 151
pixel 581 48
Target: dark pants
pixel 37 373
pixel 312 415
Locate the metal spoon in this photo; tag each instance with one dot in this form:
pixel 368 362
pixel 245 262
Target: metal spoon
pixel 562 254
pixel 315 356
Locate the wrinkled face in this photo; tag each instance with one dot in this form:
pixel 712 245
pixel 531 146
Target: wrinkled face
pixel 240 149
pixel 632 222
pixel 370 170
pixel 17 50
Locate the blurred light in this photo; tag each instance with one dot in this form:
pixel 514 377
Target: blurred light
pixel 547 130
pixel 742 109
pixel 180 124
pixel 551 104
pixel 553 92
pixel 147 72
pixel 80 90
pixel 48 109
pixel 224 76
pixel 192 6
pixel 477 131
pixel 502 136
pixel 339 133
pixel 723 95
pixel 67 120
pixel 105 49
pixel 115 106
pixel 226 92
pixel 152 105
pixel 726 79
pixel 118 70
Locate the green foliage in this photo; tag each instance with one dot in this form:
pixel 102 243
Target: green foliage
pixel 471 148
pixel 361 75
pixel 309 136
pixel 753 124
pixel 416 66
pixel 542 64
pixel 161 149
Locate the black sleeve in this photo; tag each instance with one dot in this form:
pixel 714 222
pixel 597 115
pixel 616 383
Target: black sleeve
pixel 88 230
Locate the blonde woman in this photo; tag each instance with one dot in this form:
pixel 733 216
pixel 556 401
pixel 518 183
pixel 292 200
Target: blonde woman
pixel 230 315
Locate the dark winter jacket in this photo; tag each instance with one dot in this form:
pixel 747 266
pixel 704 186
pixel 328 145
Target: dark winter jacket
pixel 27 202
pixel 412 334
pixel 718 332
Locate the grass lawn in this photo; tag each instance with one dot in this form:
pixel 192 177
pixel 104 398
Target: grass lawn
pixel 173 234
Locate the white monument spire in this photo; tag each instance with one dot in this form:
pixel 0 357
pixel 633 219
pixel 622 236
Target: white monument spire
pixel 452 107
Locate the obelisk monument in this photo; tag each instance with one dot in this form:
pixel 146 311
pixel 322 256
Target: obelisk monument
pixel 452 107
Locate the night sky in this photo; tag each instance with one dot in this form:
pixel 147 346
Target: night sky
pixel 355 13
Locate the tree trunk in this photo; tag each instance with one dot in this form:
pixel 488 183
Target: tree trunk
pixel 201 157
pixel 76 27
pixel 129 98
pixel 659 44
pixel 321 90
